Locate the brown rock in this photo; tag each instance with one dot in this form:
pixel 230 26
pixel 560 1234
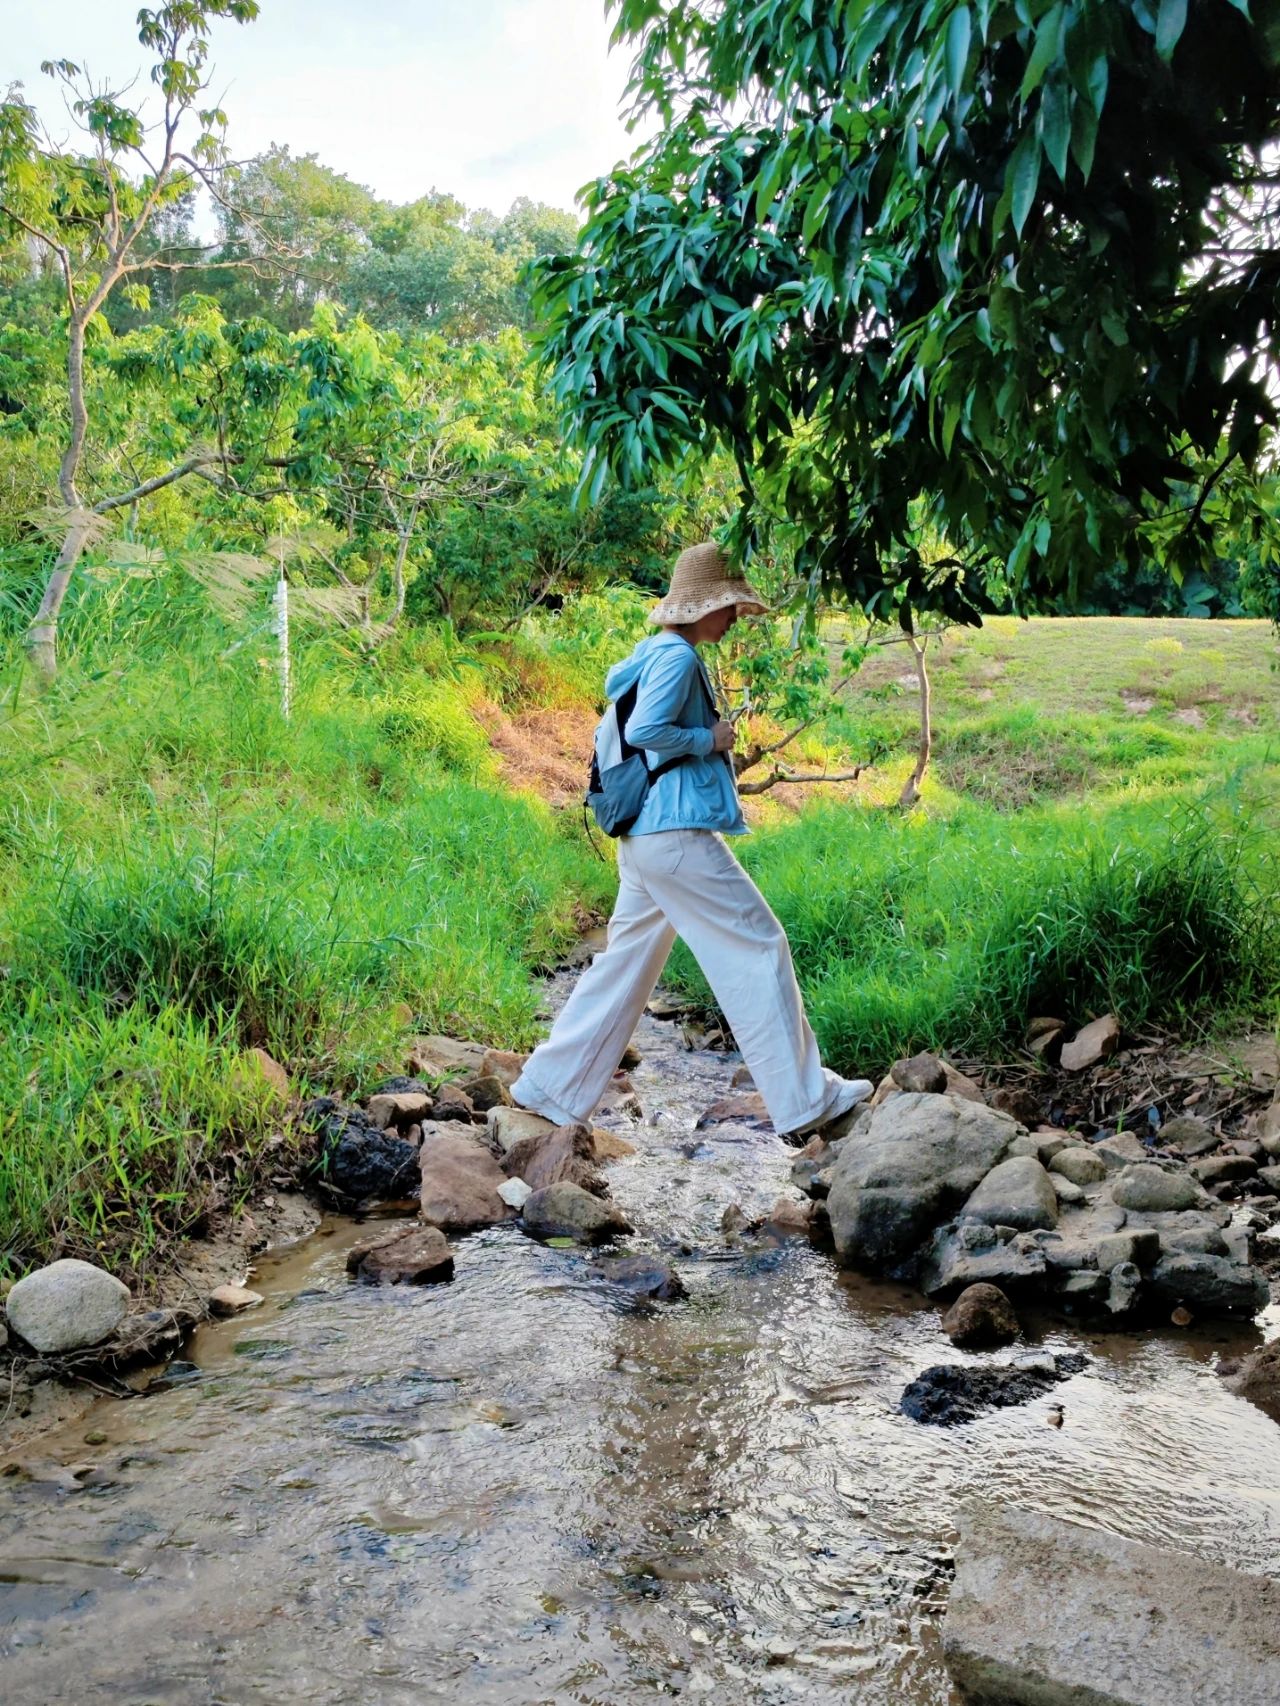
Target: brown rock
pixel 1023 1104
pixel 645 1277
pixel 1048 1044
pixel 565 1152
pixel 1246 1146
pixel 460 1179
pixel 748 1110
pixel 885 1090
pixel 1043 1026
pixel 1257 1378
pixel 272 1071
pixel 412 1255
pixel 504 1064
pixel 440 1056
pixel 453 1103
pixel 959 1085
pixel 923 1073
pixel 401 1108
pixel 790 1219
pixel 1097 1041
pixel 631 1058
pixel 742 1079
pixel 1269 1127
pixel 1221 1169
pixel 487 1091
pixel 231 1299
pixel 734 1221
pixel 508 1125
pixel 609 1146
pixel 981 1317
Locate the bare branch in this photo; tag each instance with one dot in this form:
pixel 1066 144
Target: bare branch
pixel 780 774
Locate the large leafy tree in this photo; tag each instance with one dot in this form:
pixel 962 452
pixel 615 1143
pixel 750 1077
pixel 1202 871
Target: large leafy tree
pixel 997 274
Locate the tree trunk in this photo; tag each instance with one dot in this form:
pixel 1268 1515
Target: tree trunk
pixel 42 636
pixel 911 788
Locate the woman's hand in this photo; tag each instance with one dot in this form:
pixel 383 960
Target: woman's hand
pixel 723 736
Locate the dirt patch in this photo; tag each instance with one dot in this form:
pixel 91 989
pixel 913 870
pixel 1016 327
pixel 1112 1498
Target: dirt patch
pixel 1137 704
pixel 1189 715
pixel 546 750
pixel 1152 1080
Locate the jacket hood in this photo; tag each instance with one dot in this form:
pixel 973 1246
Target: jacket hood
pixel 624 674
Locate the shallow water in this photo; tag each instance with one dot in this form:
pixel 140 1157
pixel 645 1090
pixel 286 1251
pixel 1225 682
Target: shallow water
pixel 521 1488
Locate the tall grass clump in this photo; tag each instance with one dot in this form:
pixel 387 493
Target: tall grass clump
pixel 951 933
pixel 187 875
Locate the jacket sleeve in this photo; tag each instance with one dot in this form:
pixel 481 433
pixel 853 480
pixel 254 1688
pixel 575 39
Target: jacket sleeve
pixel 664 692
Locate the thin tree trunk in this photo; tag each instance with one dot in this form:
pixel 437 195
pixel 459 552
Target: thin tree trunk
pixel 911 788
pixel 42 636
pixel 402 552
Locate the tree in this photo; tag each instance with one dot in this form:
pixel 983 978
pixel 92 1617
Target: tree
pixel 90 214
pixel 1000 272
pixel 286 204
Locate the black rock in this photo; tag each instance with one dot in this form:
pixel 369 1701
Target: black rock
pixel 354 1159
pixel 954 1392
pixel 401 1087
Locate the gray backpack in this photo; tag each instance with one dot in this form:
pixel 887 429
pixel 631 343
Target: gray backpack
pixel 620 776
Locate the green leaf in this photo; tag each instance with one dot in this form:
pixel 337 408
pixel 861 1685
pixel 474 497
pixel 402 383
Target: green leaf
pixel 1043 54
pixel 1055 127
pixel 1024 176
pixel 1084 137
pixel 1170 23
pixel 959 30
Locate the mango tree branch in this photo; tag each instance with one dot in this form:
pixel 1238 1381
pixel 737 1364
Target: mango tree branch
pixel 779 773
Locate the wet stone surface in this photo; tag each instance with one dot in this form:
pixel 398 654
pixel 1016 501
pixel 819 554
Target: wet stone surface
pixel 522 1487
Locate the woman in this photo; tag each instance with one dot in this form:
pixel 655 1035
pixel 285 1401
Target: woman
pixel 678 877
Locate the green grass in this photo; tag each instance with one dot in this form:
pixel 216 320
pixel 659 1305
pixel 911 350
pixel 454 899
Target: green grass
pixel 952 930
pixel 185 875
pixel 1025 712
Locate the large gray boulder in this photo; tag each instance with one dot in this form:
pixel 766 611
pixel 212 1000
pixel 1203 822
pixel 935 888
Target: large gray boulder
pixel 1016 1192
pixel 1046 1613
pixel 67 1306
pixel 1209 1285
pixel 915 1164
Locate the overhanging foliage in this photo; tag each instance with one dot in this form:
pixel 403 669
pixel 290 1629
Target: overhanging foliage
pixel 1002 275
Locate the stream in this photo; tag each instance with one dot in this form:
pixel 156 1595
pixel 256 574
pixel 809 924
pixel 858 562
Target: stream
pixel 523 1488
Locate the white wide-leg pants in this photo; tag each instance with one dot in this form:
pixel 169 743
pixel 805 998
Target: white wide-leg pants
pixel 684 882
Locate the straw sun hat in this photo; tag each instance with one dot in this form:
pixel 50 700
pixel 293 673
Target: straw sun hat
pixel 700 583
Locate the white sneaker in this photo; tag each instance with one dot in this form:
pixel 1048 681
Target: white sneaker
pixel 850 1092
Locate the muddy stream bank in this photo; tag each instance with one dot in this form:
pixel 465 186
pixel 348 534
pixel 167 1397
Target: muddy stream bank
pixel 522 1488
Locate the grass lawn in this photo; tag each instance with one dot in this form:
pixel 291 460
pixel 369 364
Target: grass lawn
pixel 1027 711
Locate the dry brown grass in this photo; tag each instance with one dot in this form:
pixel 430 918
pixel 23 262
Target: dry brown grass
pixel 543 749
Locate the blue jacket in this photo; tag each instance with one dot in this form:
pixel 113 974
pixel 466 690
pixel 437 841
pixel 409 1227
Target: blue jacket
pixel 672 717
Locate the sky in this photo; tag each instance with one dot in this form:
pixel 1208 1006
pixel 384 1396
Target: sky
pixel 485 99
